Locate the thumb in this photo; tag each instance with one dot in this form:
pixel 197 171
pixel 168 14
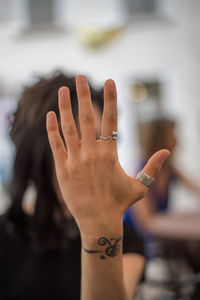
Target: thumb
pixel 154 164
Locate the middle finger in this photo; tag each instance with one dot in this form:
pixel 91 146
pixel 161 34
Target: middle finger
pixel 86 111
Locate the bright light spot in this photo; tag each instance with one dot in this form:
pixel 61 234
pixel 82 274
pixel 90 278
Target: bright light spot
pixel 137 91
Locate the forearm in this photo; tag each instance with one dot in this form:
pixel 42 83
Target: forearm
pixel 102 267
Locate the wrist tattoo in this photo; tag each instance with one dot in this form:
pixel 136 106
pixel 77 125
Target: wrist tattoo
pixel 112 250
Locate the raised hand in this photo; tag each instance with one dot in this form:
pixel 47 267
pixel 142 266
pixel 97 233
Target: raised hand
pixel 94 186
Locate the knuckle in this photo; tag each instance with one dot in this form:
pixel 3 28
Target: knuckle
pixel 72 168
pixel 112 118
pixel 108 158
pixel 69 130
pixel 156 171
pixel 88 119
pixel 55 144
pixel 84 91
pixel 88 159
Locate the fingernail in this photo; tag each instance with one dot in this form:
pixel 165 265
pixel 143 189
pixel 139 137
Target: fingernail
pixel 110 84
pixel 51 116
pixel 166 154
pixel 63 91
pixel 82 79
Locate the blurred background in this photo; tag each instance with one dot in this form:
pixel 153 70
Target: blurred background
pixel 151 48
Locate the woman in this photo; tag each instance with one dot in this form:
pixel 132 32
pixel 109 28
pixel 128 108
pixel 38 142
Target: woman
pixel 40 255
pixel 155 135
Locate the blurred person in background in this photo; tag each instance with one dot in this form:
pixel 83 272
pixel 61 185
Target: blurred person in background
pixel 155 135
pixel 40 244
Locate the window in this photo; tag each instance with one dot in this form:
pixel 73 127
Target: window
pixel 141 6
pixel 6 10
pixel 41 13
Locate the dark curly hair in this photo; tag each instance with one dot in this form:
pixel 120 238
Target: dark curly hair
pixel 48 227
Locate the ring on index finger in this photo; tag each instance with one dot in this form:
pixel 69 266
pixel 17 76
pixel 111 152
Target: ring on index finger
pixel 114 136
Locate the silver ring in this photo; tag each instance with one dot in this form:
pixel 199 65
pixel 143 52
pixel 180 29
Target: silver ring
pixel 145 179
pixel 114 136
pixel 106 138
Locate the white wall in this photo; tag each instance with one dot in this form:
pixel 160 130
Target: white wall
pixel 169 49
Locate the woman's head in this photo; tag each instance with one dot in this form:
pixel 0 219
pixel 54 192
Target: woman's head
pixel 33 162
pixel 156 135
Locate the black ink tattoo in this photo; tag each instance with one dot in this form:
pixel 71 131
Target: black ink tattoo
pixel 92 251
pixel 112 250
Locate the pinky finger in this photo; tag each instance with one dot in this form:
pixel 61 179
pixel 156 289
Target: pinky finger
pixel 55 140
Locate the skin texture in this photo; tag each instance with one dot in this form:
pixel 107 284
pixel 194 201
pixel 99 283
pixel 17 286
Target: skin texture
pixel 132 271
pixel 95 188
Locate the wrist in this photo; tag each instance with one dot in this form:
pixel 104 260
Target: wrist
pixel 104 239
pixel 92 229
